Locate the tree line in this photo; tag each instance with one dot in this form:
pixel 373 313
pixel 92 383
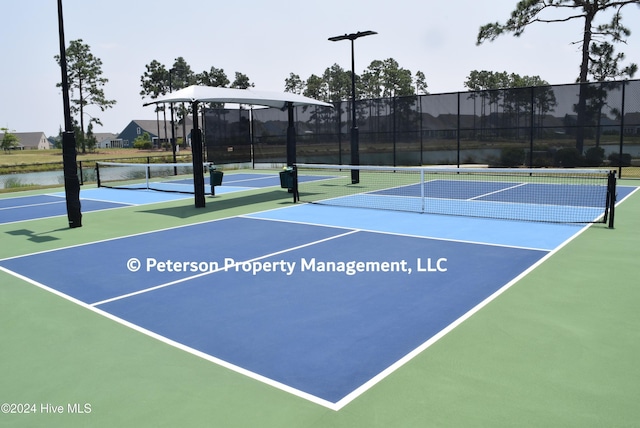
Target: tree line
pixel 157 80
pixel 382 78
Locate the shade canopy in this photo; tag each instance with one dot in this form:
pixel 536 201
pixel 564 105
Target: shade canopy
pixel 211 94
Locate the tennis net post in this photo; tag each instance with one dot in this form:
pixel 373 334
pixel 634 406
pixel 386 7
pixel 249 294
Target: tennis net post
pixel 296 194
pixel 610 209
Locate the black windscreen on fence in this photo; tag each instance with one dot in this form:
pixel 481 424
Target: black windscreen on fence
pixel 227 135
pixel 591 124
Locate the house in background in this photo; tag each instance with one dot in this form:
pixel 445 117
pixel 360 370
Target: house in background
pixel 157 130
pixel 632 124
pixel 107 140
pixel 31 140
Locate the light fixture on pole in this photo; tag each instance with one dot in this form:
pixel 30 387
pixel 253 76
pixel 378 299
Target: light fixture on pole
pixel 355 150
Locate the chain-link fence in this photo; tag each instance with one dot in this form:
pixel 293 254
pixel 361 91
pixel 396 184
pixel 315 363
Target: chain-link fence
pixel 595 124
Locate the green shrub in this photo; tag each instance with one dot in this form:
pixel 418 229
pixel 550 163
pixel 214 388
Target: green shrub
pixel 142 145
pixel 620 160
pixel 594 156
pixel 541 162
pixel 568 158
pixel 143 142
pixel 511 157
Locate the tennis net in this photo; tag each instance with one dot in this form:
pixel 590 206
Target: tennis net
pixel 164 177
pixel 542 195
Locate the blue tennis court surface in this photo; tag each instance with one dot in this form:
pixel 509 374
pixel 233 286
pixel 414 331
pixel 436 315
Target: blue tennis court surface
pixel 300 299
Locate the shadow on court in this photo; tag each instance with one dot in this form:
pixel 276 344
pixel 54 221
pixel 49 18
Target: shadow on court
pixel 221 203
pixel 35 237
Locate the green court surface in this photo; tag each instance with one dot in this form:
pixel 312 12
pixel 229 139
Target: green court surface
pixel 557 349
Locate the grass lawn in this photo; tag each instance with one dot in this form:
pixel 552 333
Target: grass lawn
pixel 25 160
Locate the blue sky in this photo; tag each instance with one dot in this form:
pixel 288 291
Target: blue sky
pixel 265 40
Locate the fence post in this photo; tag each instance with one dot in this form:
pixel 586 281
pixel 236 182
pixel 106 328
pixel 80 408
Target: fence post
pixel 458 131
pixel 419 99
pixel 395 145
pixel 338 111
pixel 531 127
pixel 624 85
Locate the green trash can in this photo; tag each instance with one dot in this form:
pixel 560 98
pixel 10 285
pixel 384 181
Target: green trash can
pixel 286 178
pixel 215 178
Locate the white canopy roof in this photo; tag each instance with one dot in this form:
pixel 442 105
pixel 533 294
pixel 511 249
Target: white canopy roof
pixel 210 94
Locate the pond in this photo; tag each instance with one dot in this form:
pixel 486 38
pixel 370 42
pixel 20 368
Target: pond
pixel 44 178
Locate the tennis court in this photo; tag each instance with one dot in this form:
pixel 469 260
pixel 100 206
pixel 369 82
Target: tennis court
pixel 324 304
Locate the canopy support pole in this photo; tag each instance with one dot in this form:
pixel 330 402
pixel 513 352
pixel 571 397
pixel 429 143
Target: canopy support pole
pixel 291 137
pixel 196 155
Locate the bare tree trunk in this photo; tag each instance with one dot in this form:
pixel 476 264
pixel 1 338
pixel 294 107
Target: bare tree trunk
pixel 84 148
pixel 584 69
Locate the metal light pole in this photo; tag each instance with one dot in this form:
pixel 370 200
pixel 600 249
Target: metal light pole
pixel 71 181
pixel 355 150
